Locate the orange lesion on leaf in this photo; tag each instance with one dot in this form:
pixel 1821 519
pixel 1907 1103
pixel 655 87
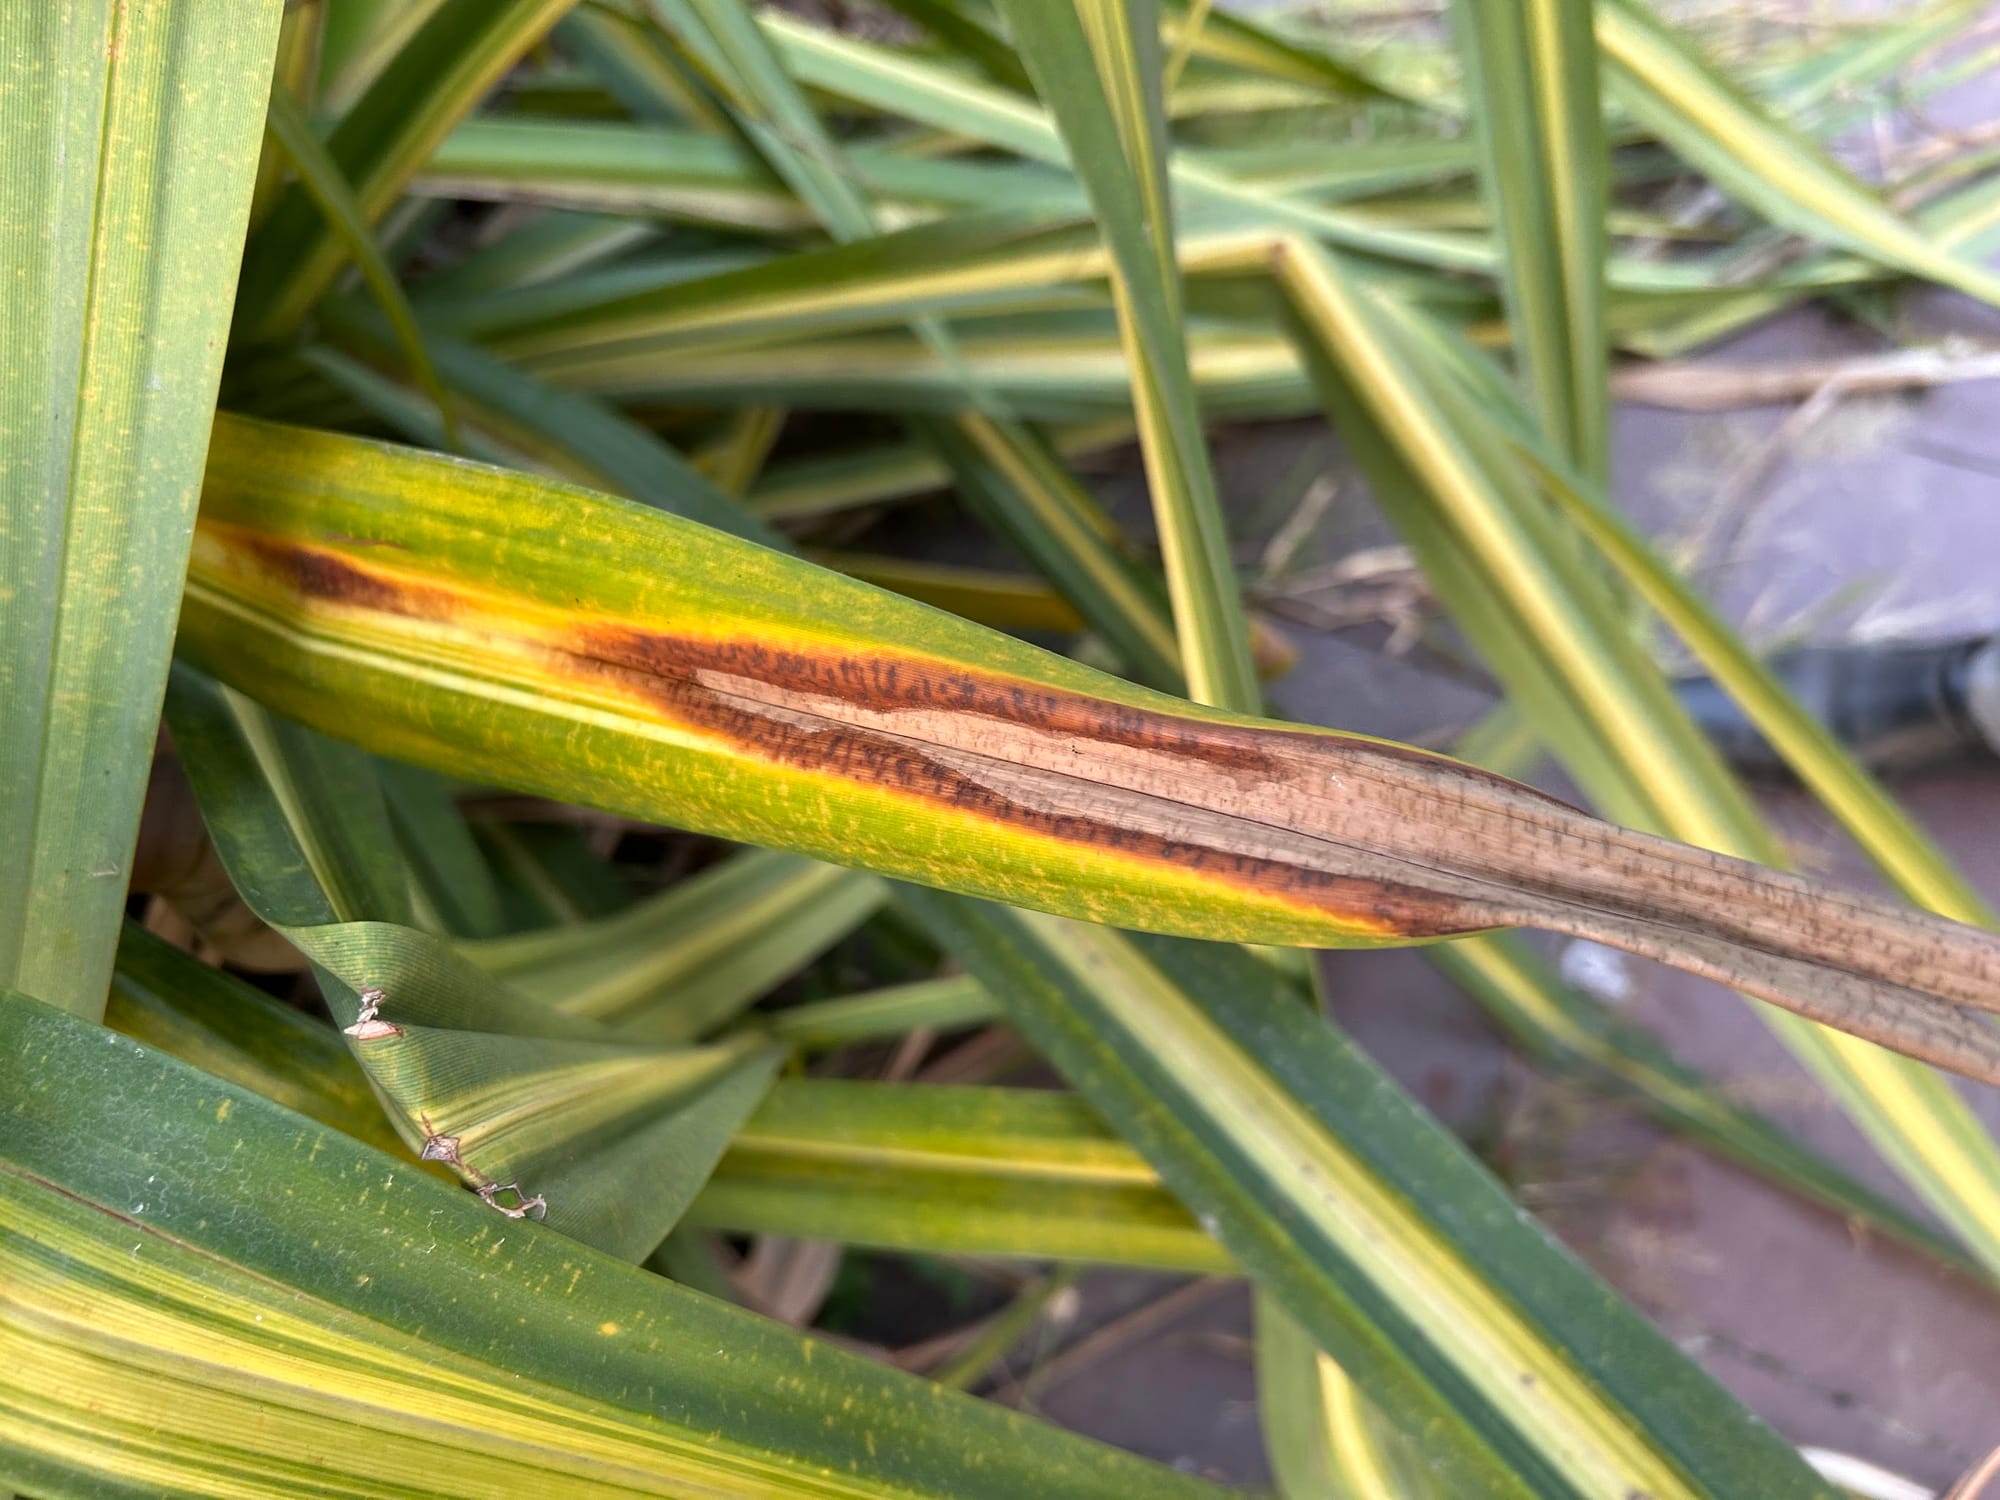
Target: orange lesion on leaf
pixel 814 708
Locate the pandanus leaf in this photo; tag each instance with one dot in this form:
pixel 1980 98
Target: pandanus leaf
pixel 508 628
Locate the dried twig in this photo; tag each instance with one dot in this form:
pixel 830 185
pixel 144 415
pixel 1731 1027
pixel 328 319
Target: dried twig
pixel 1113 1336
pixel 1374 585
pixel 992 1053
pixel 1977 1481
pixel 1299 526
pixel 1702 386
pixel 1729 508
pixel 911 1050
pixel 786 1278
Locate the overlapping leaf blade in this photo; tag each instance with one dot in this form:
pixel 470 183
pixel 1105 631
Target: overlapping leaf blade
pixel 1007 474
pixel 1444 456
pixel 1532 75
pixel 321 181
pixel 1882 829
pixel 977 1171
pixel 1665 84
pixel 680 964
pixel 950 1170
pixel 431 81
pixel 1286 1141
pixel 608 1136
pixel 315 1313
pixel 1098 68
pixel 1324 1440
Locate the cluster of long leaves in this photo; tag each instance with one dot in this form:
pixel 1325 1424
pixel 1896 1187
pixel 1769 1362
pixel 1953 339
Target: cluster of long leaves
pixel 615 264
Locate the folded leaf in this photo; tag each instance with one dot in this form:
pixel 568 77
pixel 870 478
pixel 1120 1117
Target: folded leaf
pixel 675 966
pixel 605 1136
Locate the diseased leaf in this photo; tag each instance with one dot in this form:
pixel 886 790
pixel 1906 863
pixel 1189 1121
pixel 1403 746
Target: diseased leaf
pixel 743 693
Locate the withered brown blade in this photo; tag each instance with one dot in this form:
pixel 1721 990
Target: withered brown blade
pixel 1447 848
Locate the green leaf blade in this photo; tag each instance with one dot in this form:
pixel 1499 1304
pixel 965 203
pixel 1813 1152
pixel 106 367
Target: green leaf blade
pixel 950 1170
pixel 1532 72
pixel 132 1265
pixel 1284 1140
pixel 321 180
pixel 1097 68
pixel 130 138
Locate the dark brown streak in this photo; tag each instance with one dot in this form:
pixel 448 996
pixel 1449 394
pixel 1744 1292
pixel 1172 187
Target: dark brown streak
pixel 884 682
pixel 882 760
pixel 316 573
pixel 1893 1015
